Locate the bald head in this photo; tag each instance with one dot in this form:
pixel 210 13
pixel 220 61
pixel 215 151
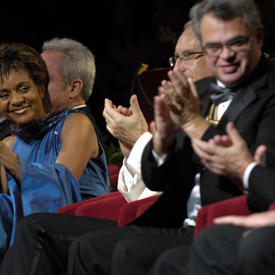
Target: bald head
pixel 194 65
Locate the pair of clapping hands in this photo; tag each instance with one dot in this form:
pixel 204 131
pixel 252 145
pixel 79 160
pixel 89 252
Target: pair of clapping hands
pixel 176 107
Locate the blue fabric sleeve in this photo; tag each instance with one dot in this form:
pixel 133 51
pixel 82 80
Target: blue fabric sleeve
pixel 43 188
pixel 46 188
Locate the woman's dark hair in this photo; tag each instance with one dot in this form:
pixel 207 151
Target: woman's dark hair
pixel 20 56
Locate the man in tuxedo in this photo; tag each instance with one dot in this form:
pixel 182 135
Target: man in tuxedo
pixel 131 128
pixel 231 34
pixel 225 249
pixel 236 244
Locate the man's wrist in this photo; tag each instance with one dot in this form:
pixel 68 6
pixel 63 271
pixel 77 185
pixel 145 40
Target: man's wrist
pixel 196 127
pixel 247 173
pixel 161 146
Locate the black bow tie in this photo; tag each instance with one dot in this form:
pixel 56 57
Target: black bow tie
pixel 220 94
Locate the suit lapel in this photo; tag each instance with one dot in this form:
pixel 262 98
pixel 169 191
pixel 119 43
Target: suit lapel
pixel 241 100
pixel 244 95
pixel 206 107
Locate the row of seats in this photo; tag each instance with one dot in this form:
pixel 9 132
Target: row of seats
pixel 113 206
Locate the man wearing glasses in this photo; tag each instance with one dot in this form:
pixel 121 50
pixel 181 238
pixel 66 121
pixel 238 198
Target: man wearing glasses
pixel 189 56
pixel 231 35
pixel 188 60
pixel 183 111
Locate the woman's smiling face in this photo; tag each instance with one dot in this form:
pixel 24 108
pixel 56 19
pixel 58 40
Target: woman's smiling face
pixel 20 98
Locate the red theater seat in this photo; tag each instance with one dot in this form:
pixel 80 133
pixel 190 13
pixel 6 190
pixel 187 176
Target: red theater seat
pixel 207 214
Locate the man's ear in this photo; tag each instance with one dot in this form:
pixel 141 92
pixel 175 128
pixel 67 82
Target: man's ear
pixel 76 86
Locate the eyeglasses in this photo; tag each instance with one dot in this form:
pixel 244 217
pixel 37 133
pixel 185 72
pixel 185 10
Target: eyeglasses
pixel 186 57
pixel 235 45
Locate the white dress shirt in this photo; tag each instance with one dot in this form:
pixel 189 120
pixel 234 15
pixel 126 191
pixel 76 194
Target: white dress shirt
pixel 194 201
pixel 130 183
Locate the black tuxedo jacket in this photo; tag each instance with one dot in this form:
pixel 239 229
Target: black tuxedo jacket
pixel 253 112
pixel 261 191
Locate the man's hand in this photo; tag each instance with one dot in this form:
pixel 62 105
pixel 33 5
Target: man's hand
pixel 184 105
pixel 226 155
pixel 256 220
pixel 165 129
pixel 125 124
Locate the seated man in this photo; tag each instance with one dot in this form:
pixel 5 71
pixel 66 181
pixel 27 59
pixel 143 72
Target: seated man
pixel 237 244
pixel 129 126
pixel 215 249
pixel 246 246
pixel 72 71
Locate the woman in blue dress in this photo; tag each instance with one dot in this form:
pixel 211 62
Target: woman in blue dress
pixel 50 159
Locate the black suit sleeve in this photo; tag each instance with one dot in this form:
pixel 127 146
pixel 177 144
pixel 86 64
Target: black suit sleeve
pixel 261 192
pixel 176 168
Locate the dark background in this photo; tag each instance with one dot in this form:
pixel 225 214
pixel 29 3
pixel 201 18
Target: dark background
pixel 122 34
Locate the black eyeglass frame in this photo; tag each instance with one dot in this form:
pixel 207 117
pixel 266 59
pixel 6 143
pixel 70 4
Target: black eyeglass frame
pixel 235 45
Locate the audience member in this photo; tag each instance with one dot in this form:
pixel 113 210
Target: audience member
pixel 130 127
pixel 226 155
pixel 44 159
pixel 246 246
pixel 238 244
pixel 71 69
pixel 231 34
pixel 60 55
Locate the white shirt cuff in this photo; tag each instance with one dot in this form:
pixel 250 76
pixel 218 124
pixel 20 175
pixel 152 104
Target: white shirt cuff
pixel 130 183
pixel 134 159
pixel 247 173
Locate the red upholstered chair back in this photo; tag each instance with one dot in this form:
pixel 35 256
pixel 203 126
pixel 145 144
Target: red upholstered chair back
pixel 111 206
pixel 207 214
pixel 146 87
pixel 113 175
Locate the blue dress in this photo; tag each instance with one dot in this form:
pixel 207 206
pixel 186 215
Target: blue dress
pixel 45 185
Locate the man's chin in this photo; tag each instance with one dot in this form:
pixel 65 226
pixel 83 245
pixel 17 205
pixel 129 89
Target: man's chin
pixel 231 80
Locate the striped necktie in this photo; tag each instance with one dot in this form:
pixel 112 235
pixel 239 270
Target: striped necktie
pixel 218 95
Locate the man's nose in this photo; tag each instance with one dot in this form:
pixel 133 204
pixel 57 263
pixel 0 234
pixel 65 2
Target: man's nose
pixel 180 66
pixel 227 53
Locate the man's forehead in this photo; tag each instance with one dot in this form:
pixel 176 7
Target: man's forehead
pixel 215 29
pixel 187 44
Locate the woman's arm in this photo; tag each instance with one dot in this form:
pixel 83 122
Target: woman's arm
pixel 79 143
pixel 9 160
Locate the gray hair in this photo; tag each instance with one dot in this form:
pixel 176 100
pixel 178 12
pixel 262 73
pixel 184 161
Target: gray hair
pixel 187 25
pixel 78 63
pixel 226 10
